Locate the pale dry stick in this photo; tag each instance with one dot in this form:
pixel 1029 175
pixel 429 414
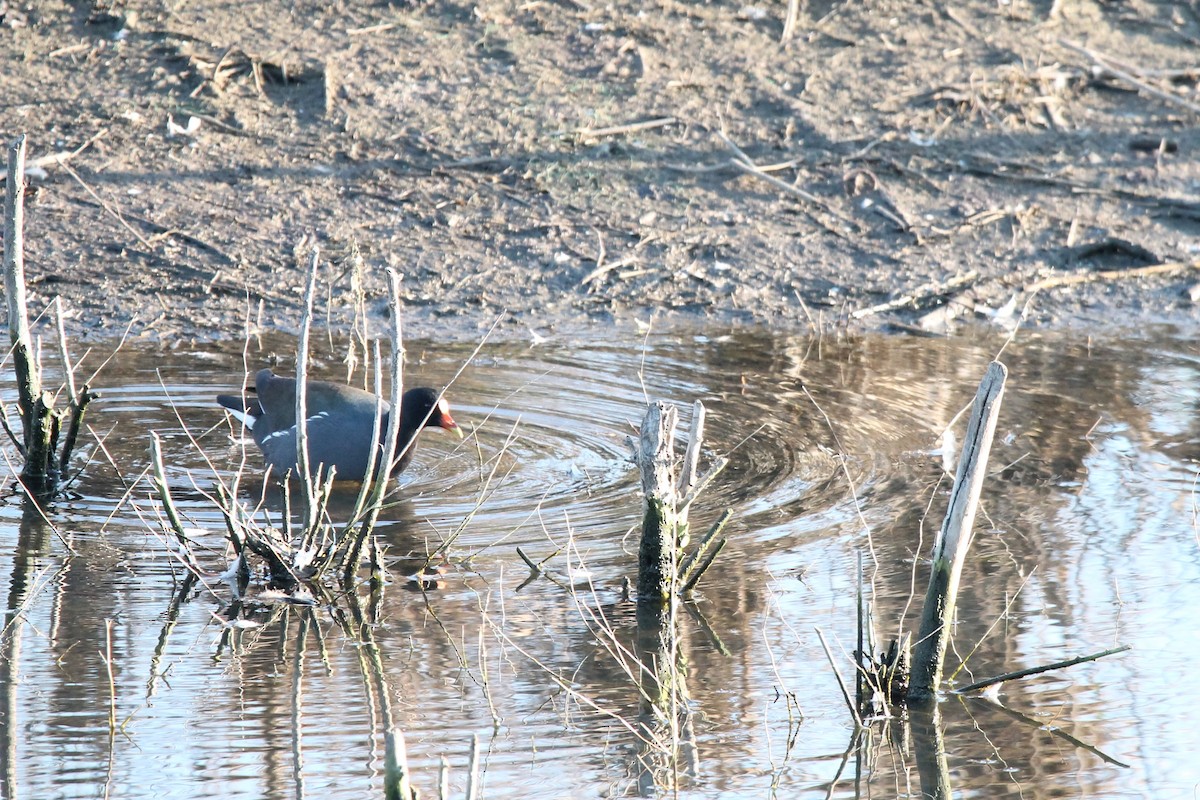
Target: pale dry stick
pixel 473 770
pixel 1088 276
pixel 379 483
pixel 367 489
pixel 379 28
pixel 107 657
pixel 743 162
pixel 567 688
pixel 485 682
pixel 164 496
pixel 64 356
pixel 1007 609
pixel 29 380
pixel 641 373
pixel 60 157
pixel 305 476
pixel 931 289
pixel 397 776
pixel 619 130
pixel 840 682
pixel 108 208
pixel 777 166
pixel 691 458
pixel 790 20
pixel 601 270
pixel 841 457
pixel 1109 65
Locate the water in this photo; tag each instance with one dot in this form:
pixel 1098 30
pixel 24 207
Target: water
pixel 1087 540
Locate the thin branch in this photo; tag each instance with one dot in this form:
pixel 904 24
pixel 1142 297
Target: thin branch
pixel 1022 673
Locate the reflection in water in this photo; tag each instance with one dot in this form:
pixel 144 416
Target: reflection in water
pixel 1084 541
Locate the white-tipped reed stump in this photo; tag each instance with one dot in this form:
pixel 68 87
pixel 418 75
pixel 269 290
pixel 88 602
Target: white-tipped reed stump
pixel 668 492
pixel 41 422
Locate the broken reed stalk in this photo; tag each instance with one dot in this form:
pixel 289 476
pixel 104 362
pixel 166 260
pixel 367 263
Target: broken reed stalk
pixel 396 783
pixel 35 408
pixel 41 423
pixel 306 476
pixel 663 568
pixel 660 520
pixel 164 497
pixel 954 539
pixel 379 480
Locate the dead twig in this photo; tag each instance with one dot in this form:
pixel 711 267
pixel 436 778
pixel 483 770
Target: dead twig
pixel 587 134
pixel 923 292
pixel 1022 673
pixel 1088 275
pixel 61 157
pixel 1110 65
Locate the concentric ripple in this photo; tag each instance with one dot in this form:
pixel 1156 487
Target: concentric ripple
pixel 548 429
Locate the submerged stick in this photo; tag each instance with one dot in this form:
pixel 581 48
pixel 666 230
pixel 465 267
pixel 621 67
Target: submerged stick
pixel 950 550
pixel 1023 673
pixel 697 563
pixel 164 497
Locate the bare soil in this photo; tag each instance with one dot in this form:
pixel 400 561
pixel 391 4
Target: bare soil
pixel 570 162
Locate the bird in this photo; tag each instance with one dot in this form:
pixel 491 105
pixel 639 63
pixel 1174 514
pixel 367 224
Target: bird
pixel 338 424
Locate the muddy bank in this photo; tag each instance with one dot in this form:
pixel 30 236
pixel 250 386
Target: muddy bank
pixel 571 163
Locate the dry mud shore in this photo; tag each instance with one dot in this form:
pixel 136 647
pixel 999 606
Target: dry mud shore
pixel 568 162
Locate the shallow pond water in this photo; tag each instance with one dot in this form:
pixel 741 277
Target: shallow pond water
pixel 1086 540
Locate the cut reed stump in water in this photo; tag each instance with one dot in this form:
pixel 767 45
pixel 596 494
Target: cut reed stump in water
pixel 664 569
pixel 954 539
pixel 41 422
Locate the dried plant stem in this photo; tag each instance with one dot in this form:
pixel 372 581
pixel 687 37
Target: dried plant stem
pixel 107 655
pixel 164 497
pixel 305 475
pixel 619 130
pixel 379 482
pixel 35 407
pixel 1110 65
pixel 1023 673
pixel 838 675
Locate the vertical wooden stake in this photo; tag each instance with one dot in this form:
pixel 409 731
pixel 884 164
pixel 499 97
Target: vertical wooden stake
pixel 950 550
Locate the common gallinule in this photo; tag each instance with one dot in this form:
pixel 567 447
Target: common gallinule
pixel 339 423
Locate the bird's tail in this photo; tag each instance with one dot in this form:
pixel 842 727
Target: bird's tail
pixel 246 410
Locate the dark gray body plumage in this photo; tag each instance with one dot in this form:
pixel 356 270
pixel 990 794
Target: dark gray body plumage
pixel 339 423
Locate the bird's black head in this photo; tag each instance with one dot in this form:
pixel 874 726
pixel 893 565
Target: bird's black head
pixel 424 404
